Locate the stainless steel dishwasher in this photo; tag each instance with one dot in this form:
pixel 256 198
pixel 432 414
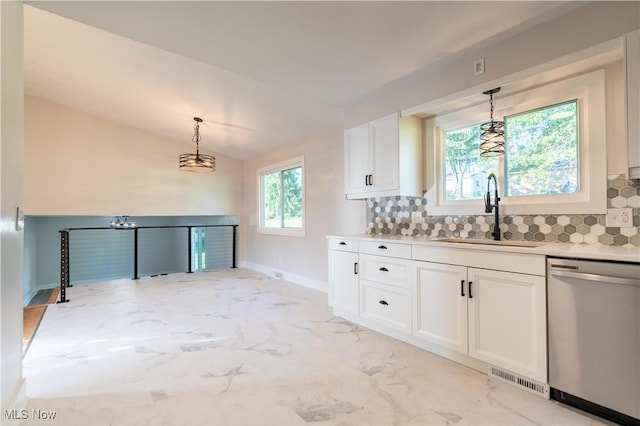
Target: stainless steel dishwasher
pixel 594 337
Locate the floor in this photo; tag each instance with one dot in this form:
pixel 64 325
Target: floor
pixel 238 347
pixel 33 312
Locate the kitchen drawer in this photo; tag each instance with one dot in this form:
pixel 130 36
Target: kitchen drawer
pixel 343 244
pixel 387 305
pixel 388 270
pixel 382 248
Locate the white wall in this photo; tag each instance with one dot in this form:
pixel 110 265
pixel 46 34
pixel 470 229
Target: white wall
pixel 303 259
pixel 11 190
pixel 587 26
pixel 82 164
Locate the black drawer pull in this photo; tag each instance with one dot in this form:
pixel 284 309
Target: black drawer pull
pixel 470 295
pixel 462 288
pixel 384 302
pixel 383 269
pixel 355 268
pixel 382 247
pixel 342 243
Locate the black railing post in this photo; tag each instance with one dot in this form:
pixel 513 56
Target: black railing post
pixel 135 254
pixel 190 269
pixel 233 247
pixel 65 280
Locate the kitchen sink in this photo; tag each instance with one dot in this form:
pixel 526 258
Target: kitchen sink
pixel 490 242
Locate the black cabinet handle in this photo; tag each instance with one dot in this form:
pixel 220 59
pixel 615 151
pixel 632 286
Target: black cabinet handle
pixel 355 268
pixel 382 247
pixel 384 302
pixel 371 180
pixel 366 180
pixel 342 243
pixel 470 295
pixel 383 269
pixel 462 288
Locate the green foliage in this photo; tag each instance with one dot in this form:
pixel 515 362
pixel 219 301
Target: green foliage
pixel 542 151
pixel 283 198
pixel 541 155
pixel 462 153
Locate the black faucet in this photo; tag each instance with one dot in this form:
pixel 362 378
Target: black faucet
pixel 488 207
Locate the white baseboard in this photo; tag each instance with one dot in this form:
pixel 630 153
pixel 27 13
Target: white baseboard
pixel 287 276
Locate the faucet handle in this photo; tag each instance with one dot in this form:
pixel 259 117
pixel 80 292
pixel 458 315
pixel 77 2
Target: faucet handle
pixel 487 203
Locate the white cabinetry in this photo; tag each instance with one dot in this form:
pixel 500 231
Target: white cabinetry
pixel 498 317
pixel 386 277
pixel 507 321
pixel 441 300
pixel 446 300
pixel 343 275
pixel 384 158
pixel 632 64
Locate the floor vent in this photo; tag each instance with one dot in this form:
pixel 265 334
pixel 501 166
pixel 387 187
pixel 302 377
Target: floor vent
pixel 540 389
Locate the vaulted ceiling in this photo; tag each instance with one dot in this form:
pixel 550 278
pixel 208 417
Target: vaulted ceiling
pixel 260 74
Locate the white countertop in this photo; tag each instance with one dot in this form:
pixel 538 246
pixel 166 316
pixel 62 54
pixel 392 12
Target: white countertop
pixel 582 251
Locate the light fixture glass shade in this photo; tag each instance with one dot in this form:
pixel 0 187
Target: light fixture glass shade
pixel 492 139
pixel 199 163
pixel 491 132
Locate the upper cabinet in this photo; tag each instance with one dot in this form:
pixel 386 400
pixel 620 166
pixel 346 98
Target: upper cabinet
pixel 384 158
pixel 632 62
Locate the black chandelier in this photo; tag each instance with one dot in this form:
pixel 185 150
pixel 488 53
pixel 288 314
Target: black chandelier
pixel 197 162
pixel 492 132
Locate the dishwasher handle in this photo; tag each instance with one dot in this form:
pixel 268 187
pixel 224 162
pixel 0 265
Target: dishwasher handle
pixel 595 277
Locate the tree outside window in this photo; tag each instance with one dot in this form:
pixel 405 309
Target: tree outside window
pixel 541 155
pixel 282 198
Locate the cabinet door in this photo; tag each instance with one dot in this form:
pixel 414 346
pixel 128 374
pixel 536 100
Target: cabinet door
pixel 632 62
pixel 385 153
pixel 507 321
pixel 357 154
pixel 343 281
pixel 441 297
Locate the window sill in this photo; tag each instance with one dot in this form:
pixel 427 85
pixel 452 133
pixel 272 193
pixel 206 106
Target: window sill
pixel 283 232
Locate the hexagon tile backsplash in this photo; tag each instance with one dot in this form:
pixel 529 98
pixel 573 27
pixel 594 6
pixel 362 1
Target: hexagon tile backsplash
pixel 408 216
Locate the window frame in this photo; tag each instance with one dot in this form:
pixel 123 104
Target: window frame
pixel 589 90
pixel 279 168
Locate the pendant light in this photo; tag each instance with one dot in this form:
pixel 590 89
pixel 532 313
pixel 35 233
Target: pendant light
pixel 197 162
pixel 492 132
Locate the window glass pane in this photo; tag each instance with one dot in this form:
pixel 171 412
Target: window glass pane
pixel 542 151
pixel 271 190
pixel 465 171
pixel 292 197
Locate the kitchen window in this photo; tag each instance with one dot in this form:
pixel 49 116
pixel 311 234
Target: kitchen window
pixel 555 152
pixel 281 198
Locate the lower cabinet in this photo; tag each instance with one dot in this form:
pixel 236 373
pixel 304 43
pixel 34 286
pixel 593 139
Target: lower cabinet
pixel 495 316
pixel 386 304
pixel 428 295
pixel 343 281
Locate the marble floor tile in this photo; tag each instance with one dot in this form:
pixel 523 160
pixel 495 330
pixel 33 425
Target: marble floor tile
pixel 238 347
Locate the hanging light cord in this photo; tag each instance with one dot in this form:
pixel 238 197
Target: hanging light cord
pixel 196 137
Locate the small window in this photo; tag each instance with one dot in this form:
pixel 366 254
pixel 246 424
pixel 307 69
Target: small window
pixel 542 151
pixel 281 198
pixel 464 168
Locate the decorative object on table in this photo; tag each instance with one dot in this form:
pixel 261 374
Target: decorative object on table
pixel 197 162
pixel 492 132
pixel 122 222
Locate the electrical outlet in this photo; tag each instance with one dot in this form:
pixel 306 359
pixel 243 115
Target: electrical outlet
pixel 478 67
pixel 621 218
